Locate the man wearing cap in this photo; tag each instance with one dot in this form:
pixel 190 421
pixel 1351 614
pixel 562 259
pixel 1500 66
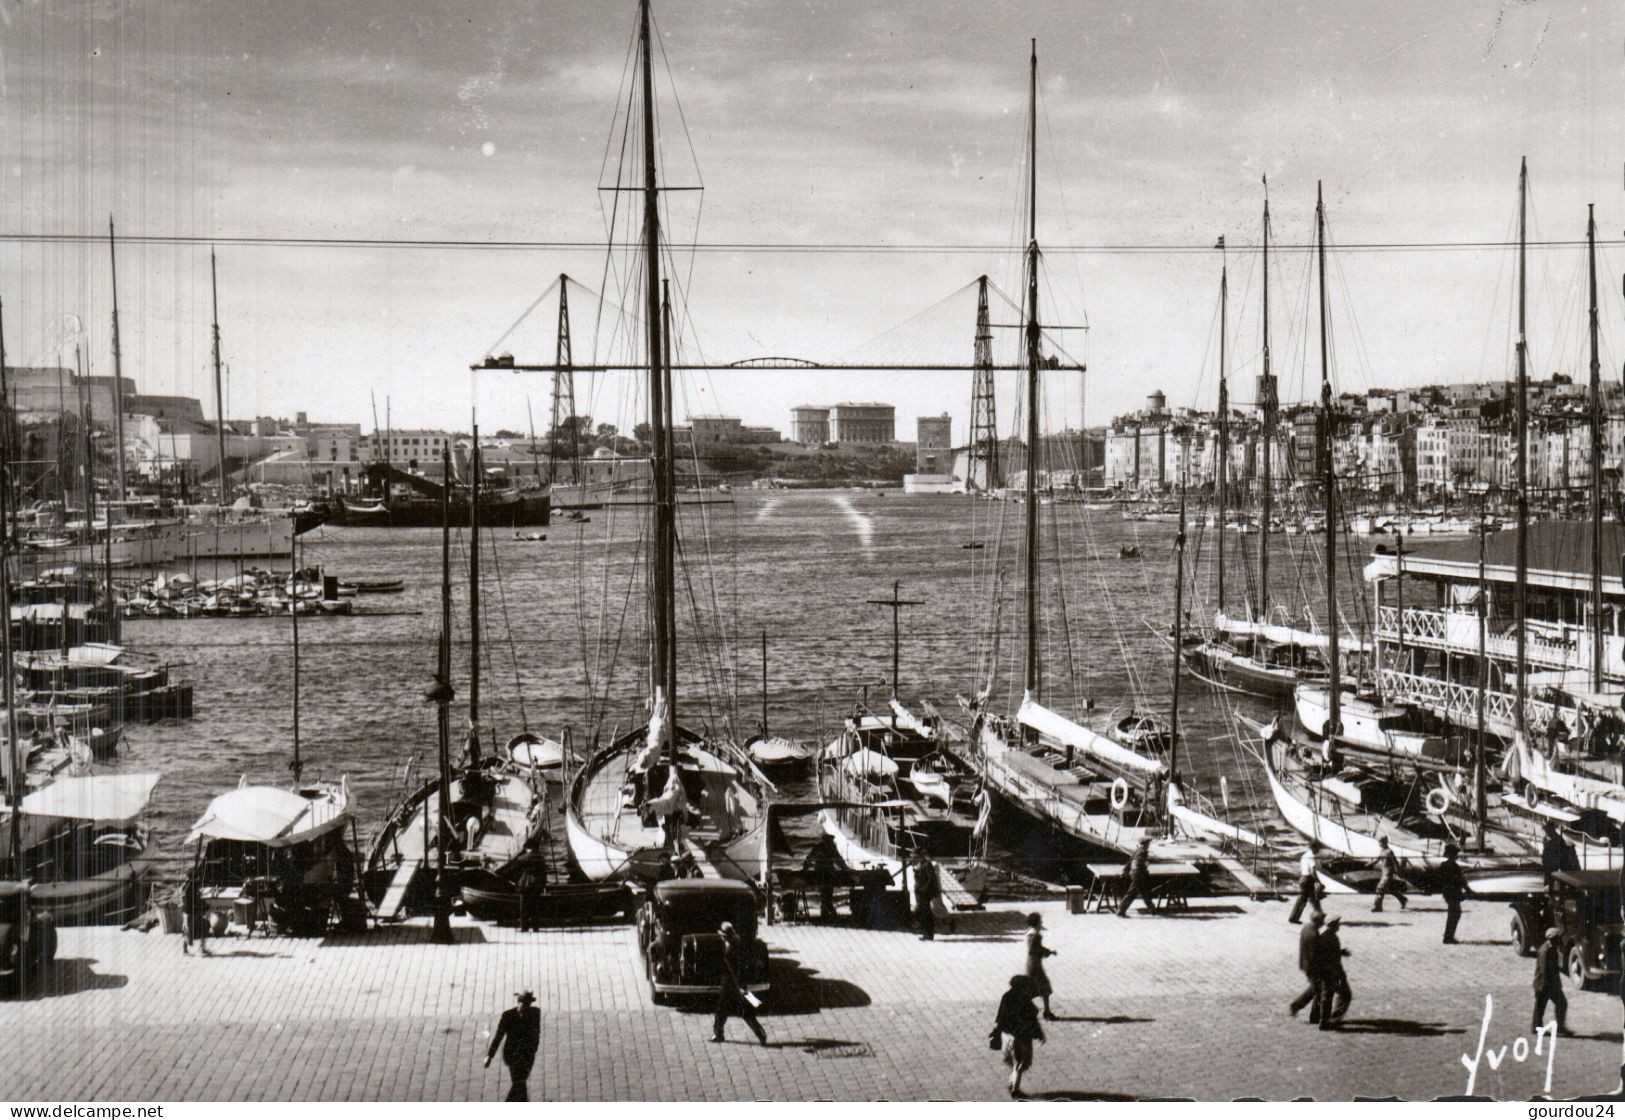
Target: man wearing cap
pixel 731 994
pixel 1335 994
pixel 1453 886
pixel 519 1033
pixel 1387 876
pixel 1139 878
pixel 1549 982
pixel 1308 881
pixel 927 889
pixel 1307 937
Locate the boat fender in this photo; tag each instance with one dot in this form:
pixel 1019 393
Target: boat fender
pixel 1119 794
pixel 1438 800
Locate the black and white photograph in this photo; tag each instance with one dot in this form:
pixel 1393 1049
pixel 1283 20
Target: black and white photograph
pixel 811 550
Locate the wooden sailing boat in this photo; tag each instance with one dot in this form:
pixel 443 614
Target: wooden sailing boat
pixel 1091 793
pixel 473 821
pixel 662 794
pixel 1250 654
pixel 1348 807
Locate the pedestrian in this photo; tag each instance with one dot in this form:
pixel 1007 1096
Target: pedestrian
pixel 519 1033
pixel 927 889
pixel 1308 880
pixel 1388 876
pixel 1037 978
pixel 1333 978
pixel 532 882
pixel 1453 886
pixel 823 866
pixel 1549 983
pixel 732 996
pixel 1139 878
pixel 1551 852
pixel 195 916
pixel 1017 1022
pixel 1310 996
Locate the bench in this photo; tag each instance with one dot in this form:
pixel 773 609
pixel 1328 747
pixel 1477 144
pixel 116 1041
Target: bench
pixel 1171 883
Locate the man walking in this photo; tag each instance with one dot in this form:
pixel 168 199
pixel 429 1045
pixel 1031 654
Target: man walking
pixel 927 889
pixel 1308 880
pixel 519 1033
pixel 732 997
pixel 1453 886
pixel 1388 876
pixel 1335 994
pixel 532 882
pixel 1549 983
pixel 1310 996
pixel 1139 878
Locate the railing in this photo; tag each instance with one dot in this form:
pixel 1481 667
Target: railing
pixel 1458 703
pixel 1551 646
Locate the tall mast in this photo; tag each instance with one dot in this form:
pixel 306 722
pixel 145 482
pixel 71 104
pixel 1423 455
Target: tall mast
pixel 118 368
pixel 442 694
pixel 1328 481
pixel 1033 674
pixel 661 546
pixel 1179 626
pixel 219 394
pixel 1267 384
pixel 670 581
pixel 1222 476
pixel 14 760
pixel 297 766
pixel 1479 792
pixel 1596 461
pixel 473 596
pixel 1521 586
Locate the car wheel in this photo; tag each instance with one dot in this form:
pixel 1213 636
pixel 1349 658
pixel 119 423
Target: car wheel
pixel 11 961
pixel 659 999
pixel 1521 943
pixel 1577 966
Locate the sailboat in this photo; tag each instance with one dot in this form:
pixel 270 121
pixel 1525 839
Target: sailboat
pixel 1087 790
pixel 662 794
pixel 1249 653
pixel 281 852
pixel 480 817
pixel 1363 779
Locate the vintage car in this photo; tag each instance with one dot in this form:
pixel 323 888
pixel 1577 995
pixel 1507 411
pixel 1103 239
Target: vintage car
pixel 682 948
pixel 1584 906
pixel 27 937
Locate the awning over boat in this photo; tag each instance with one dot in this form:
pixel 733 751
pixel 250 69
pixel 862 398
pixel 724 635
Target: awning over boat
pixel 271 816
pixel 908 720
pixel 1281 635
pixel 1058 727
pixel 112 798
pixel 871 763
pixel 95 653
pixel 777 749
pixel 1382 567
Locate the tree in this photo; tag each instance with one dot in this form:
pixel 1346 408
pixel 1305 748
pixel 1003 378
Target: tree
pixel 606 433
pixel 643 433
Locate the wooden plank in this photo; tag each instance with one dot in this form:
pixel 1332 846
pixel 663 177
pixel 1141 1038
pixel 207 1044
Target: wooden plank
pixel 1256 887
pixel 389 909
pixel 954 893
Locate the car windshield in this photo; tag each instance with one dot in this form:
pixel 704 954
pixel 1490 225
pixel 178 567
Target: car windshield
pixel 701 913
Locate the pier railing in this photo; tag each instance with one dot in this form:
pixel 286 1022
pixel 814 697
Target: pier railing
pixel 1549 646
pixel 1458 703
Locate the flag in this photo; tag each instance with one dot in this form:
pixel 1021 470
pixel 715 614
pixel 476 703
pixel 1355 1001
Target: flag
pixel 1219 244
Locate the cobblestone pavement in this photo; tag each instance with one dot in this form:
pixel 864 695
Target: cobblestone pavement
pixel 1192 1005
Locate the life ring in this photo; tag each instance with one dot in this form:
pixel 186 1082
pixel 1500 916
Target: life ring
pixel 1437 801
pixel 1119 794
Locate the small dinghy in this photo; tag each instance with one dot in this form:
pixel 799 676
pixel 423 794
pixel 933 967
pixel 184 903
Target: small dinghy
pixel 529 751
pixel 774 752
pixel 530 535
pixel 930 785
pixel 378 586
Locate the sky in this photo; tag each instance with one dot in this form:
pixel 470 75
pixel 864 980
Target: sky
pixel 809 123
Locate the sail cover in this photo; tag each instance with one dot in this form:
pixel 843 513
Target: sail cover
pixel 1034 715
pixel 1281 635
pixel 271 816
pixel 113 798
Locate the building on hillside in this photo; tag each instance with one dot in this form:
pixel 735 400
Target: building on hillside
pixel 934 445
pixel 809 424
pixel 863 422
pixel 704 432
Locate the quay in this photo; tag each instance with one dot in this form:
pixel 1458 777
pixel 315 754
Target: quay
pixel 1185 1004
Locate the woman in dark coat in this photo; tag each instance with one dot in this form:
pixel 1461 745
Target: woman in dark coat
pixel 1018 1022
pixel 1036 952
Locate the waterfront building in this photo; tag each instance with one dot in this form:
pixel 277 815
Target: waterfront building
pixel 863 422
pixel 809 424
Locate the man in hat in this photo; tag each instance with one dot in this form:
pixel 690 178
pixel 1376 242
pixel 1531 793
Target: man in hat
pixel 519 1033
pixel 1139 878
pixel 732 998
pixel 1549 983
pixel 927 889
pixel 1388 876
pixel 1308 881
pixel 1453 886
pixel 1335 994
pixel 1310 996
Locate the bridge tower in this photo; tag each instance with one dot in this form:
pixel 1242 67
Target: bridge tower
pixel 564 395
pixel 983 468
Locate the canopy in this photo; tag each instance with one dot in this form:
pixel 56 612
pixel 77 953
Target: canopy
pixel 908 719
pixel 1056 726
pixel 872 763
pixel 1282 635
pixel 777 749
pixel 114 798
pixel 277 818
